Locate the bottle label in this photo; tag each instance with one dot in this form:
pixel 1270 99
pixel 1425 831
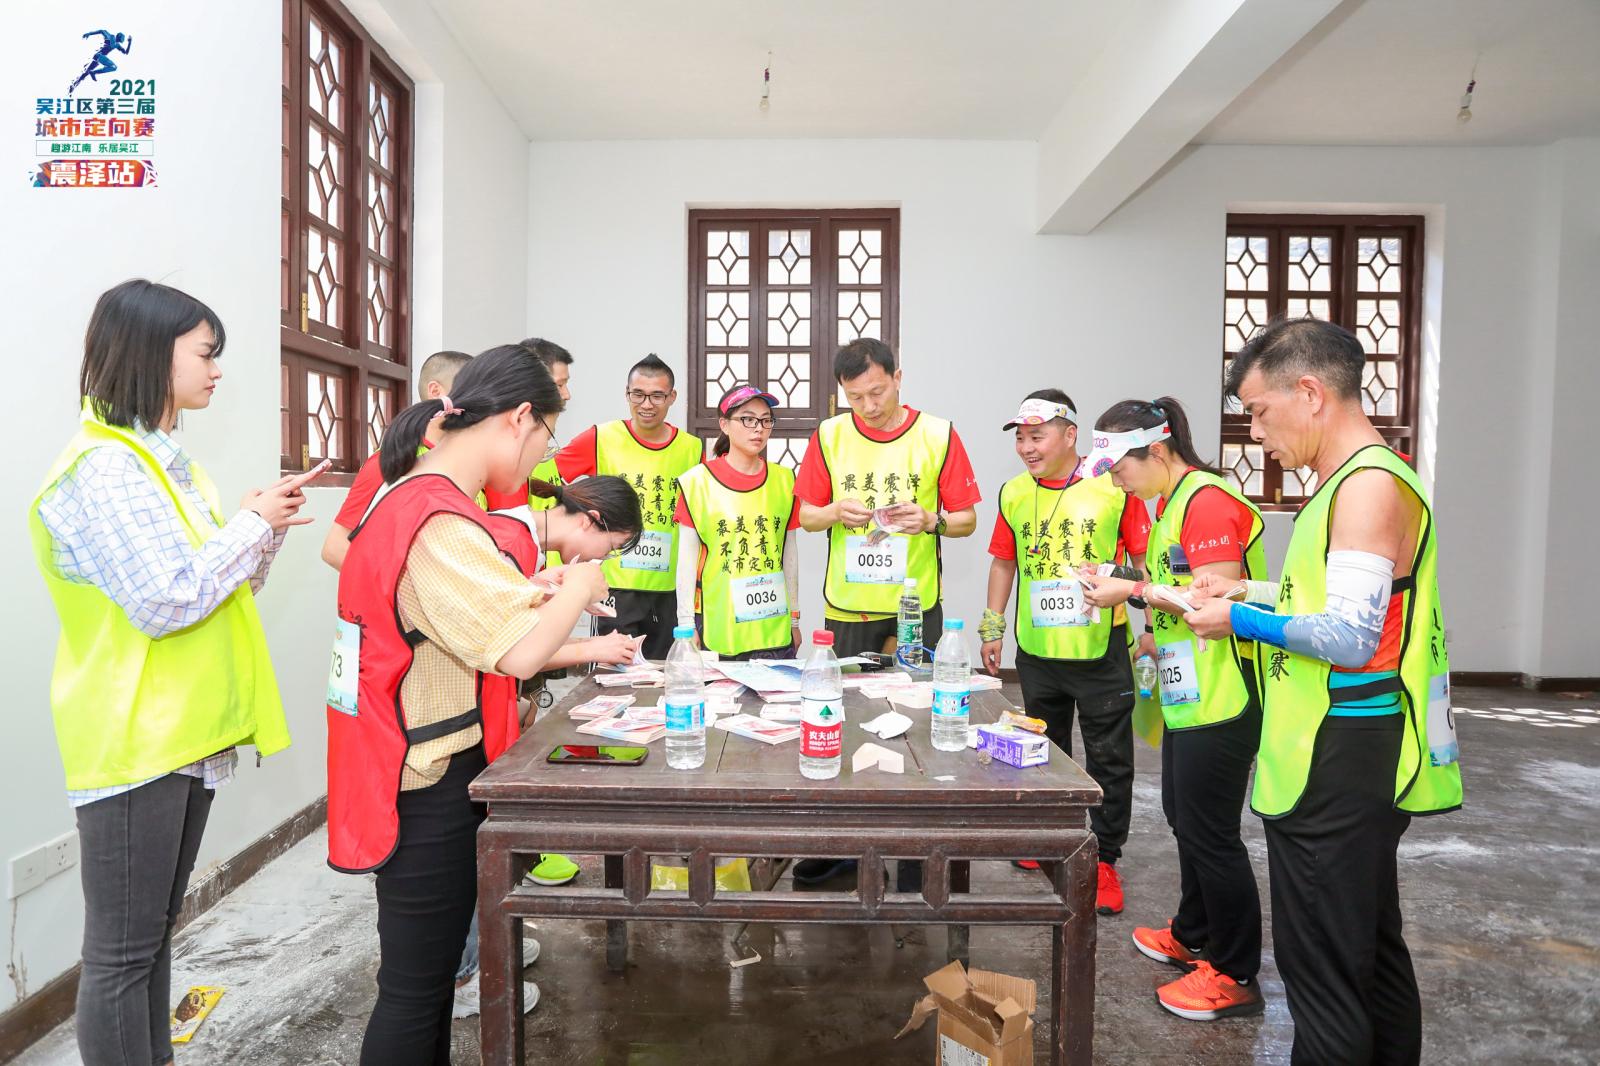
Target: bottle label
pixel 908 634
pixel 686 717
pixel 821 729
pixel 951 702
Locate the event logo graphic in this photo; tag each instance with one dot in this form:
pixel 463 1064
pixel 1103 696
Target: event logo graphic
pixel 101 62
pixel 104 141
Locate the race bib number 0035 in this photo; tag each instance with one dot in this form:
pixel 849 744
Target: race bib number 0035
pixel 883 563
pixel 653 552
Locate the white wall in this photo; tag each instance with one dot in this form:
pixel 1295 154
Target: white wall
pixel 212 228
pixel 990 311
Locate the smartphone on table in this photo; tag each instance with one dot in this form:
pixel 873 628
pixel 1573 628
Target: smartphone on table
pixel 602 754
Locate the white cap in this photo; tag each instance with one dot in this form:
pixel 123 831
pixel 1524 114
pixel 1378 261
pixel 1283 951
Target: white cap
pixel 1110 447
pixel 911 583
pixel 1038 412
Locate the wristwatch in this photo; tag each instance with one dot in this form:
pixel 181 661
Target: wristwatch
pixel 940 525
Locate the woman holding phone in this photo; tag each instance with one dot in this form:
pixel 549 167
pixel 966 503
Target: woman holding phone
pixel 162 668
pixel 435 612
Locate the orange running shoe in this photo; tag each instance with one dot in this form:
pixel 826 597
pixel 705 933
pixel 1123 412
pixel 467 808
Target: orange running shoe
pixel 1204 995
pixel 1108 893
pixel 1161 945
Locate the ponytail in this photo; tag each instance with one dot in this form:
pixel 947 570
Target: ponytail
pixel 1140 414
pixel 720 446
pixel 606 495
pixel 498 380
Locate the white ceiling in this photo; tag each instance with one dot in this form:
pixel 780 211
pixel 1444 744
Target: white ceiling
pixel 642 69
pixel 1374 72
pixel 1392 72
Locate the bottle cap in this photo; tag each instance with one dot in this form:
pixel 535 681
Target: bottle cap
pixel 954 623
pixel 822 638
pixel 911 583
pixel 682 632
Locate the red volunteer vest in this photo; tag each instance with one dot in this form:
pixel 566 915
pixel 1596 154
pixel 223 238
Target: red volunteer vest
pixel 367 750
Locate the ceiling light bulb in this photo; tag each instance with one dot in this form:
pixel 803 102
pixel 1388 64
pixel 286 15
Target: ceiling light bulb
pixel 1464 115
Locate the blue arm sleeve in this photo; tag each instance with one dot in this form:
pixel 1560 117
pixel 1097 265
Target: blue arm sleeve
pixel 1253 623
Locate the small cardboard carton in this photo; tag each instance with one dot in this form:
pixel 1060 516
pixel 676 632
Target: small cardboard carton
pixel 984 1018
pixel 1015 746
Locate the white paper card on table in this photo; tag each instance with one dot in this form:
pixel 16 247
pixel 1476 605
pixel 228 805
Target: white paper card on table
pixel 869 755
pixel 917 697
pixel 746 725
pixel 602 707
pixel 761 677
pixel 780 712
pixel 889 725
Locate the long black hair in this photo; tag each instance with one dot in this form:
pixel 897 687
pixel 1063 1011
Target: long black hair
pixel 496 381
pixel 1147 414
pixel 127 351
pixel 607 495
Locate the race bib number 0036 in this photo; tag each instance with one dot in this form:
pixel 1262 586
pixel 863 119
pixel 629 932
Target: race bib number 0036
pixel 883 563
pixel 758 596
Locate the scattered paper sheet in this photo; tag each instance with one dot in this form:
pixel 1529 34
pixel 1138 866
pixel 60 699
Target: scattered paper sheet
pixel 869 755
pixel 889 725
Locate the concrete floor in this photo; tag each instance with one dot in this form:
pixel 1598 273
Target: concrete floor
pixel 1502 919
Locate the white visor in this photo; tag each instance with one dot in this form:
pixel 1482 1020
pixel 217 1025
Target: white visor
pixel 1038 412
pixel 1109 448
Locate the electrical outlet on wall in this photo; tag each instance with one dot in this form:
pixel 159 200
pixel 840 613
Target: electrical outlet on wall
pixel 34 868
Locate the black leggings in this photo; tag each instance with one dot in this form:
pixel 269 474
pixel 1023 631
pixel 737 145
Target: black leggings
pixel 426 894
pixel 1204 774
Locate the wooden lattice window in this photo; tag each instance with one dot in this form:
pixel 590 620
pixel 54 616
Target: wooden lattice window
pixel 1361 271
pixel 772 296
pixel 345 240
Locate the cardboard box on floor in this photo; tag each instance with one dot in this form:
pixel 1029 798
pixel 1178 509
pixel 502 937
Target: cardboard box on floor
pixel 985 1019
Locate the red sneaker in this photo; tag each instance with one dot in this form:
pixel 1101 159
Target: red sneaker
pixel 1161 945
pixel 1204 995
pixel 1108 893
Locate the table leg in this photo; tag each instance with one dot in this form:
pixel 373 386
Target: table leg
pixel 1072 960
pixel 616 930
pixel 958 937
pixel 499 958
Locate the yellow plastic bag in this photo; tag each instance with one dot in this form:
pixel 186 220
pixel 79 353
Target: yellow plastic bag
pixel 1148 723
pixel 731 876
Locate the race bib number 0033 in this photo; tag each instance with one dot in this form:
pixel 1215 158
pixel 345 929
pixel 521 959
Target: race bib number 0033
pixel 344 671
pixel 883 563
pixel 1056 602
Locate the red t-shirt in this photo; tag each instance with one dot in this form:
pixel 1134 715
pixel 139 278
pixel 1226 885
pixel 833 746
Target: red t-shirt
pixel 1216 527
pixel 581 458
pixel 724 472
pixel 369 479
pixel 958 485
pixel 1133 531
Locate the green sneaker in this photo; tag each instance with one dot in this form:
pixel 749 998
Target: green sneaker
pixel 553 870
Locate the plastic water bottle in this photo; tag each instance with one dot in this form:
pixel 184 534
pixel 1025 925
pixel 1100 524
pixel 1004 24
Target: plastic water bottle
pixel 821 711
pixel 952 688
pixel 1144 674
pixel 686 702
pixel 908 629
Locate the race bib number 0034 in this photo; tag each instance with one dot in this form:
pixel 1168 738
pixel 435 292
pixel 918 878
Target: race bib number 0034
pixel 883 563
pixel 653 552
pixel 758 596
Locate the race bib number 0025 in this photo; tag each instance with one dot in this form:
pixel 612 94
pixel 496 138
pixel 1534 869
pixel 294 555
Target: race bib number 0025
pixel 1179 682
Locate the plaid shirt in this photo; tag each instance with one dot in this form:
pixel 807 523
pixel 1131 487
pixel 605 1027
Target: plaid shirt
pixel 114 528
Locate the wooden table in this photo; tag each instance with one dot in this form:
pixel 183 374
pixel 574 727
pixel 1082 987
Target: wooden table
pixel 750 800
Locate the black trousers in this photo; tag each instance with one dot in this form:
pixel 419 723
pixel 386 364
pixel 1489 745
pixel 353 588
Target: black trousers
pixel 138 850
pixel 853 638
pixel 1204 774
pixel 1101 693
pixel 1336 925
pixel 426 895
pixel 650 615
